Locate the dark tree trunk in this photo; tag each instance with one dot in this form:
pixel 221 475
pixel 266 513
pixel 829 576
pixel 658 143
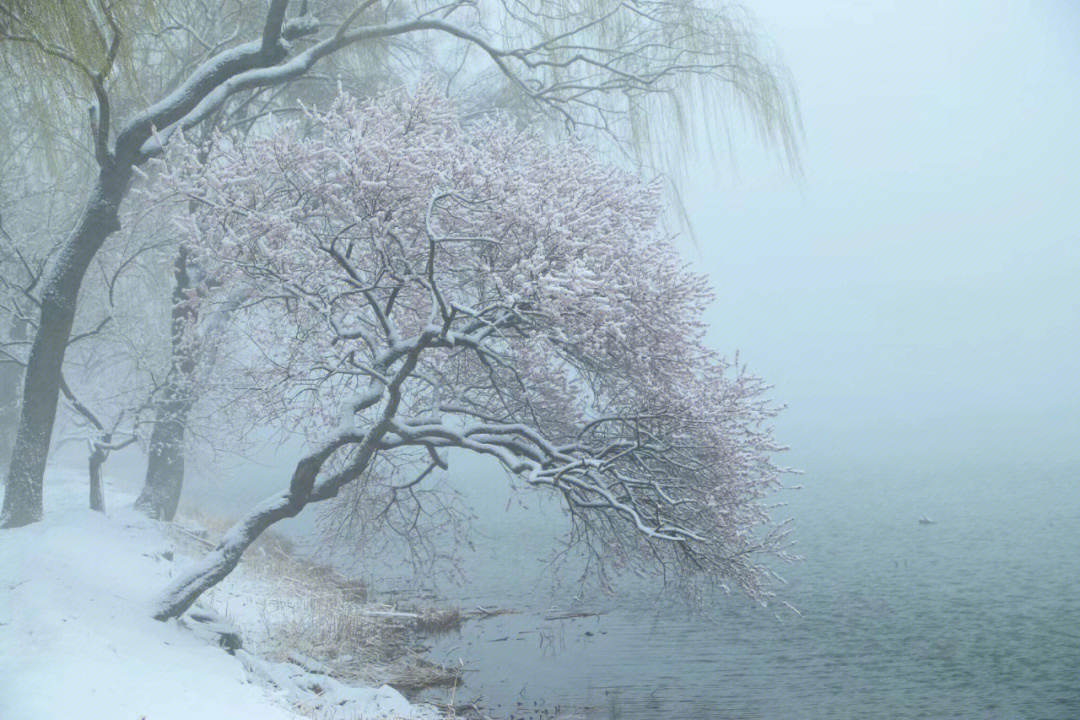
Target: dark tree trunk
pixel 11 375
pixel 97 459
pixel 223 559
pixel 160 495
pixel 41 383
pixel 164 482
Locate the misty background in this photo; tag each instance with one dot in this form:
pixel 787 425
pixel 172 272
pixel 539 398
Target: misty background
pixel 915 296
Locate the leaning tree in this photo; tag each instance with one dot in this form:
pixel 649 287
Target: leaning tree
pixel 418 286
pixel 608 65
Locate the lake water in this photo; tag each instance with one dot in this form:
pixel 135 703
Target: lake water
pixel 977 616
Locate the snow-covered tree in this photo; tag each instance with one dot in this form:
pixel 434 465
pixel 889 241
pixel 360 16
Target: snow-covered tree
pixel 419 285
pixel 609 66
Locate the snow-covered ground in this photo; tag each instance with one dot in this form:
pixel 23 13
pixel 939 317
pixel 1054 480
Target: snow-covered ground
pixel 77 639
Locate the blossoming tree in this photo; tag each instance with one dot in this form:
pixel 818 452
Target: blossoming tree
pixel 419 285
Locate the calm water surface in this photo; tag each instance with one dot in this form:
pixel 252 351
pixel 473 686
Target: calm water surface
pixel 977 616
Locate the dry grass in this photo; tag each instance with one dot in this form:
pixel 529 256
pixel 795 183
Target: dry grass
pixel 356 641
pixel 439 621
pixel 308 609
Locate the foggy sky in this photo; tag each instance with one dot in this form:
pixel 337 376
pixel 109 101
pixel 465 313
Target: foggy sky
pixel 916 292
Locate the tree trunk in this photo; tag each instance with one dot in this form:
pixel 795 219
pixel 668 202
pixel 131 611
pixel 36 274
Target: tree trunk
pixel 11 374
pixel 41 383
pixel 97 459
pixel 160 495
pixel 224 558
pixel 164 481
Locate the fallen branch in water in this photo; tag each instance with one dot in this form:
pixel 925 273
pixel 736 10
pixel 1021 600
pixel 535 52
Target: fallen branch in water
pixel 483 613
pixel 573 615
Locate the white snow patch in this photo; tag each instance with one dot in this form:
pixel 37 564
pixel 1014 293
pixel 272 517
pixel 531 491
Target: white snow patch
pixel 77 639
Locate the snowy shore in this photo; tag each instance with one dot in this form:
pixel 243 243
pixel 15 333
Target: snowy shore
pixel 78 641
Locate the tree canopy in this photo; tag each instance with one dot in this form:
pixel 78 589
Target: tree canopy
pixel 419 285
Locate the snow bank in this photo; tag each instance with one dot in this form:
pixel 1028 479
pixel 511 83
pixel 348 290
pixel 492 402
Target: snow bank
pixel 77 639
